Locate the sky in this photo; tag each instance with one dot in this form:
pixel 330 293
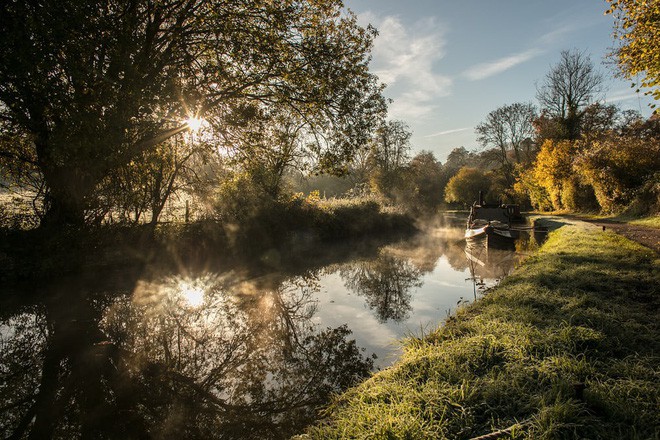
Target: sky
pixel 448 63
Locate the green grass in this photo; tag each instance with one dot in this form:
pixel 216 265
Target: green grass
pixel 651 221
pixel 568 344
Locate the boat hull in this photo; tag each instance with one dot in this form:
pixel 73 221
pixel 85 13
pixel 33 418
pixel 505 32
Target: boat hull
pixel 497 237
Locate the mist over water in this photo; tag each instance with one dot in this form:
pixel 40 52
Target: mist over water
pixel 235 353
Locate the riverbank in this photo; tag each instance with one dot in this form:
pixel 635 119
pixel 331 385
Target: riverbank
pixel 270 237
pixel 566 347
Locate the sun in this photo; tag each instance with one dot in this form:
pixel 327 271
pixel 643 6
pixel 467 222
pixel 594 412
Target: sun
pixel 192 294
pixel 194 123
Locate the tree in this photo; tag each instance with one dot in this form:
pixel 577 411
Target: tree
pixel 509 128
pixel 386 284
pixel 554 172
pixel 457 159
pixel 268 145
pixel 464 187
pixel 115 79
pixel 148 182
pixel 426 179
pixel 389 153
pixel 528 189
pixel 638 33
pixel 599 119
pixel 569 86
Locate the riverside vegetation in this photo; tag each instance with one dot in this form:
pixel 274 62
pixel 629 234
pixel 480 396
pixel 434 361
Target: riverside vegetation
pixel 566 347
pixel 294 226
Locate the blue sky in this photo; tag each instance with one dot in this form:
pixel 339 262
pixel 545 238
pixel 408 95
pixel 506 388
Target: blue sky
pixel 449 63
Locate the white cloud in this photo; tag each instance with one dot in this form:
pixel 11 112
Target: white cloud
pixel 625 95
pixel 558 34
pixel 442 133
pixel 485 70
pixel 404 59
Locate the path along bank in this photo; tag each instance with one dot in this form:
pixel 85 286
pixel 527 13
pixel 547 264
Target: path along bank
pixel 566 347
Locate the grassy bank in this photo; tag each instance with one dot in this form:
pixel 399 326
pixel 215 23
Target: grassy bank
pixel 651 221
pixel 567 347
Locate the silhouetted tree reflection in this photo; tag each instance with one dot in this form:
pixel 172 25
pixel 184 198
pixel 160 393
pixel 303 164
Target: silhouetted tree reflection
pixel 239 361
pixel 385 283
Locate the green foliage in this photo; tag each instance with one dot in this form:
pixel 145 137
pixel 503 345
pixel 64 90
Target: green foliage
pixel 464 187
pixel 425 182
pixel 389 154
pixel 577 196
pixel 527 188
pixel 252 215
pixel 566 344
pixel 96 91
pixel 238 198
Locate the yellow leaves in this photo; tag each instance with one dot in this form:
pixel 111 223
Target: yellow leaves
pixel 636 25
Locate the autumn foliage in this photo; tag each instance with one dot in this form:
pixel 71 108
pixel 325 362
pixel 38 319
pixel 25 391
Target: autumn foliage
pixel 639 37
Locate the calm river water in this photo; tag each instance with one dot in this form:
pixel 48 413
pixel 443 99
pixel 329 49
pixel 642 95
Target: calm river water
pixel 219 353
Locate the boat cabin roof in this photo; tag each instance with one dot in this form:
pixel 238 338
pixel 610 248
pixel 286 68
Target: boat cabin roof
pixel 503 213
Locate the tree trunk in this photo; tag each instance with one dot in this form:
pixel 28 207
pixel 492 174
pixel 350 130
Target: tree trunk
pixel 69 188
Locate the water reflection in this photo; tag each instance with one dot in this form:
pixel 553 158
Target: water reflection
pixel 222 353
pixel 386 284
pixel 243 363
pixel 489 264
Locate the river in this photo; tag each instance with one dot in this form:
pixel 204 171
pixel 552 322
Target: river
pixel 202 352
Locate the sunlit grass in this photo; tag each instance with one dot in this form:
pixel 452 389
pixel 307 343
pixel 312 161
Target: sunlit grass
pixel 651 221
pixel 568 344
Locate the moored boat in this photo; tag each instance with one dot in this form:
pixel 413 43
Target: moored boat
pixel 493 223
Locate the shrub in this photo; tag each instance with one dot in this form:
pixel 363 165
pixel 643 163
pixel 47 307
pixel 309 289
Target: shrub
pixel 620 169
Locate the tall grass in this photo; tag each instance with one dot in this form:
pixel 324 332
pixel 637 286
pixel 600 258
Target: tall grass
pixel 568 345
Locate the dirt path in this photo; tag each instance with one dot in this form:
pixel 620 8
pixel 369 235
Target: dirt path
pixel 647 236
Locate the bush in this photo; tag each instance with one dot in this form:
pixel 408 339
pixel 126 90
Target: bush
pixel 620 169
pixel 257 221
pixel 576 196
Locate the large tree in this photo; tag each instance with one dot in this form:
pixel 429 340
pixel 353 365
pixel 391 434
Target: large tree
pixel 389 153
pixel 509 129
pixel 115 78
pixel 465 186
pixel 568 88
pixel 637 26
